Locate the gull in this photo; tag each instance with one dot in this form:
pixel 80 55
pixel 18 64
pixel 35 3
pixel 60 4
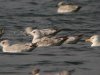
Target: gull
pixel 36 71
pixel 41 41
pixel 73 39
pixel 45 32
pixel 67 8
pixel 16 48
pixel 95 40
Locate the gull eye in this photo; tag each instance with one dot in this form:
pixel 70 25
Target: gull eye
pixel 34 32
pixel 92 38
pixel 3 42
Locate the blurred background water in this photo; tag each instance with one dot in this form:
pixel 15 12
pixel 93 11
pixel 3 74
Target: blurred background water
pixel 15 15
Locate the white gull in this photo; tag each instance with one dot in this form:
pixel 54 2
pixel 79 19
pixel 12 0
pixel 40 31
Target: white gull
pixel 66 8
pixel 46 32
pixel 16 48
pixel 95 40
pixel 36 71
pixel 74 39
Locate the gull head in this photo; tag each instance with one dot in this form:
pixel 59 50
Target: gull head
pixel 4 43
pixel 35 71
pixel 95 40
pixel 61 3
pixel 36 33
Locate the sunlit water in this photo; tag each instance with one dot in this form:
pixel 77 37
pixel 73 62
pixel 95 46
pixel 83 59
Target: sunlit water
pixel 15 15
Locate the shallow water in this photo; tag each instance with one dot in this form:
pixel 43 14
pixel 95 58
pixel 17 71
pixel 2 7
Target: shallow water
pixel 15 15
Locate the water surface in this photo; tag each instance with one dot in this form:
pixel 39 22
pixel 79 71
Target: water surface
pixel 15 15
